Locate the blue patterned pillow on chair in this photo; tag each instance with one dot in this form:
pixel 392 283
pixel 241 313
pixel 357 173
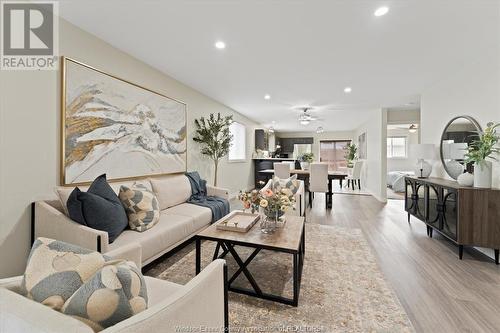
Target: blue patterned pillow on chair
pixel 290 183
pixel 84 284
pixel 114 293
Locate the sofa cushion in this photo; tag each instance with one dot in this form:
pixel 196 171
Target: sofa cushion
pixel 202 216
pixel 171 190
pixel 56 269
pixel 159 290
pixel 167 232
pixel 63 192
pixel 141 206
pixel 114 293
pixel 98 208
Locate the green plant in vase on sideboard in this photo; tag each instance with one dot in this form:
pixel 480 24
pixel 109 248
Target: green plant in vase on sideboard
pixel 306 159
pixel 481 152
pixel 350 154
pixel 214 137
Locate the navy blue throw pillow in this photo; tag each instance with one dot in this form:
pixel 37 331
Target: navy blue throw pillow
pixel 98 208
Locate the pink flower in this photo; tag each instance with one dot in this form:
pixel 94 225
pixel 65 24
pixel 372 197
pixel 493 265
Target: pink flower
pixel 268 193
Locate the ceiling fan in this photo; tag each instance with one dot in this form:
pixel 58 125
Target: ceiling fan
pixel 305 117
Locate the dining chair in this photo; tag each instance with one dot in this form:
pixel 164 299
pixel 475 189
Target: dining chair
pixel 318 180
pixel 355 177
pixel 282 170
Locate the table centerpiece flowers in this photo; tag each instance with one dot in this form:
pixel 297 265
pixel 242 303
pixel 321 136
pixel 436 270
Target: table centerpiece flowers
pixel 271 204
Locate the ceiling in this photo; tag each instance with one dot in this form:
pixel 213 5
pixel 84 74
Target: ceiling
pixel 299 52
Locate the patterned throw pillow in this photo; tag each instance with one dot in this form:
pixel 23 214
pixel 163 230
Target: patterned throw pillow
pixel 55 270
pixel 141 206
pixel 290 183
pixel 114 293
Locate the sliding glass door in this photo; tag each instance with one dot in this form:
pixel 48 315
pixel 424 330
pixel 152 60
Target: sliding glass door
pixel 332 152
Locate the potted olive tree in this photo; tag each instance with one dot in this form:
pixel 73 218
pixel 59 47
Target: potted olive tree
pixel 481 152
pixel 214 137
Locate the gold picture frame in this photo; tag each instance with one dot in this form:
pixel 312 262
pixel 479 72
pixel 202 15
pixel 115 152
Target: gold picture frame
pixel 92 132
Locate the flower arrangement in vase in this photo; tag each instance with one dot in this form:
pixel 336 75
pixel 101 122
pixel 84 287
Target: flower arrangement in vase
pixel 479 151
pixel 271 203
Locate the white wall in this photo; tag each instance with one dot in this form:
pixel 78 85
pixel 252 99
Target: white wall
pixel 472 90
pixel 398 163
pixel 29 134
pixel 317 137
pixel 374 170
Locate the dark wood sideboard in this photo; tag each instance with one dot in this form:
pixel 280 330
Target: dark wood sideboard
pixel 467 216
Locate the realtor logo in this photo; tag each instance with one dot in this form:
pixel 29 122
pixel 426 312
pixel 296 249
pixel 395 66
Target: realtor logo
pixel 29 36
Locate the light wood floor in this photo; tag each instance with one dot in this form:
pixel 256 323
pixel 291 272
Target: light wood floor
pixel 439 292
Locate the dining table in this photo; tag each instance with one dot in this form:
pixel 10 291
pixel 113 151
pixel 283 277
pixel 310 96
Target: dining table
pixel 304 175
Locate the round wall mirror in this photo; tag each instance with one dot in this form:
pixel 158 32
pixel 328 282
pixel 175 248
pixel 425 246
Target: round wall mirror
pixel 456 137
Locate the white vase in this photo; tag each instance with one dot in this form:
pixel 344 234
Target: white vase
pixel 304 165
pixel 466 179
pixel 483 174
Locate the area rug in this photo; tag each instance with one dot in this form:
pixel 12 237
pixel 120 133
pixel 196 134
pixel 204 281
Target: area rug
pixel 342 288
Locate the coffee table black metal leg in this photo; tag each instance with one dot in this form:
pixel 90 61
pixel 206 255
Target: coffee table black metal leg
pixel 216 252
pixel 240 263
pixel 245 264
pixel 296 278
pixel 198 255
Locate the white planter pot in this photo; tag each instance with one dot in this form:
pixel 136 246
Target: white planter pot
pixel 304 165
pixel 483 174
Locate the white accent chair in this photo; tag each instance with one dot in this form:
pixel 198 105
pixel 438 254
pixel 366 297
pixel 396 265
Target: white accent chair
pixel 355 177
pixel 318 180
pixel 300 199
pixel 172 307
pixel 282 170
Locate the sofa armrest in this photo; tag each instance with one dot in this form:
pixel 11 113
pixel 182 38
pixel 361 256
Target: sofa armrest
pixel 12 283
pixel 202 302
pixel 218 192
pixel 129 252
pixel 51 223
pixel 20 314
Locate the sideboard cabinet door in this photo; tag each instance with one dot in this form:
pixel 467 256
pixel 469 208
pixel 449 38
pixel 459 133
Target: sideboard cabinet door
pixel 434 195
pixel 449 217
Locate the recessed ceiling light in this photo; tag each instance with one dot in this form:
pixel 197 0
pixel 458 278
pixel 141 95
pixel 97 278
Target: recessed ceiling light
pixel 220 45
pixel 267 96
pixel 381 11
pixel 347 90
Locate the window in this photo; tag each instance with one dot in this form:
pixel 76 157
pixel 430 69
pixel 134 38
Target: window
pixel 237 151
pixel 396 147
pixel 332 152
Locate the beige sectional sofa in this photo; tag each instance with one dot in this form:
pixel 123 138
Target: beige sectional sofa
pixel 179 221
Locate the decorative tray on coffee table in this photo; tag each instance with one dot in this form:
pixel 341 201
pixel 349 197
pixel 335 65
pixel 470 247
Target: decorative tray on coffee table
pixel 238 221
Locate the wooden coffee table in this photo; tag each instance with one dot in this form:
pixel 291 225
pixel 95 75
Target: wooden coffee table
pixel 290 238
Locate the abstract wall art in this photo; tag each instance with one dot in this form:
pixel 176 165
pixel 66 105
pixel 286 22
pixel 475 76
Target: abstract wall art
pixel 113 126
pixel 362 151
